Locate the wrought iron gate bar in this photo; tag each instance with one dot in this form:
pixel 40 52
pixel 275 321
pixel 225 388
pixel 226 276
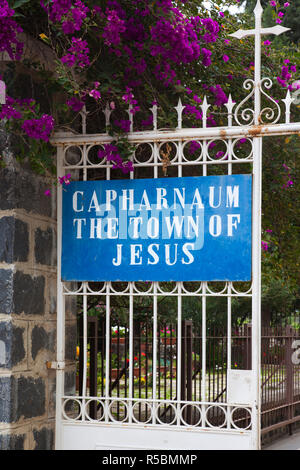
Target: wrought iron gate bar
pixel 165 293
pixel 73 154
pixel 186 134
pixel 206 420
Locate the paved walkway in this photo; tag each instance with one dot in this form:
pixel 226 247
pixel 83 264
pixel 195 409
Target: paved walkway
pixel 286 443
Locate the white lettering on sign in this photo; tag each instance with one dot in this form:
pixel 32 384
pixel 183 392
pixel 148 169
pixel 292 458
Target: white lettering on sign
pixel 149 226
pixel 232 196
pixel 228 196
pixel 233 220
pixel 78 224
pixel 174 220
pixel 75 201
pixel 215 225
pixel 111 195
pixel 212 197
pixel 154 253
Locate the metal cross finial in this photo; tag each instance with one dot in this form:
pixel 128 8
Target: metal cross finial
pixel 83 113
pixel 258 11
pixel 107 112
pixel 257 32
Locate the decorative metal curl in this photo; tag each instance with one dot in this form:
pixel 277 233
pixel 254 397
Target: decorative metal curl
pixel 247 114
pixel 269 113
pixel 70 290
pixel 219 291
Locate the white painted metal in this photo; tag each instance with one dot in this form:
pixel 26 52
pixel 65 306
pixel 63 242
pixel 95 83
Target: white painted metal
pixel 2 92
pixel 60 310
pixel 235 132
pixel 91 436
pixel 78 430
pixel 240 386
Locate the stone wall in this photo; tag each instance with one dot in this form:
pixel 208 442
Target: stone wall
pixel 28 310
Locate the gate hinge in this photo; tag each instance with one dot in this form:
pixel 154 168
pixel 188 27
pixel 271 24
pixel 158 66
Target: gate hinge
pixel 58 365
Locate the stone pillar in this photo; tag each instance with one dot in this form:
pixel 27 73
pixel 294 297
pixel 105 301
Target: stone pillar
pixel 28 310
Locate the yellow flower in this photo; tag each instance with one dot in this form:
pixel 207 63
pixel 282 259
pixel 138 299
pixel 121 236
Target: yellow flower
pixel 43 36
pixel 77 351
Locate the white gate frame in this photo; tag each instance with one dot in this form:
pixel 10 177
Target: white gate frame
pixel 71 433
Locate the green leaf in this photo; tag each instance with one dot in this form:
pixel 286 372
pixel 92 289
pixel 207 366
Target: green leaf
pixel 19 3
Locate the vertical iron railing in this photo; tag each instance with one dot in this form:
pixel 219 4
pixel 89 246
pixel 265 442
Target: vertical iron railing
pixel 280 391
pixel 280 378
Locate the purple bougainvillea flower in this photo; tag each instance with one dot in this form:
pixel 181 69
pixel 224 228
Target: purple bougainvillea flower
pixel 9 31
pixel 194 146
pixel 206 54
pixel 219 154
pixel 77 54
pixel 123 124
pixel 220 96
pixel 39 128
pixel 95 94
pixel 197 99
pixel 65 179
pixel 75 104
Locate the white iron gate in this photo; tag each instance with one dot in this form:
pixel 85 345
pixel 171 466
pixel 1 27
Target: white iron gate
pixel 76 428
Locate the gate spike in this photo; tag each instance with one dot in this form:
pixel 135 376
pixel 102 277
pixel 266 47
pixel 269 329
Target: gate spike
pixel 230 105
pixel 288 101
pixel 179 108
pixel 83 113
pixel 130 117
pixel 204 106
pixel 107 112
pixel 154 113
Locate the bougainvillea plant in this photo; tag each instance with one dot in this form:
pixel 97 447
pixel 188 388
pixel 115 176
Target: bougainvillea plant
pixel 129 53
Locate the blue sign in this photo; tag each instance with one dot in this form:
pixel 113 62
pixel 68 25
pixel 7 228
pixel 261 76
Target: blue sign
pixel 165 229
